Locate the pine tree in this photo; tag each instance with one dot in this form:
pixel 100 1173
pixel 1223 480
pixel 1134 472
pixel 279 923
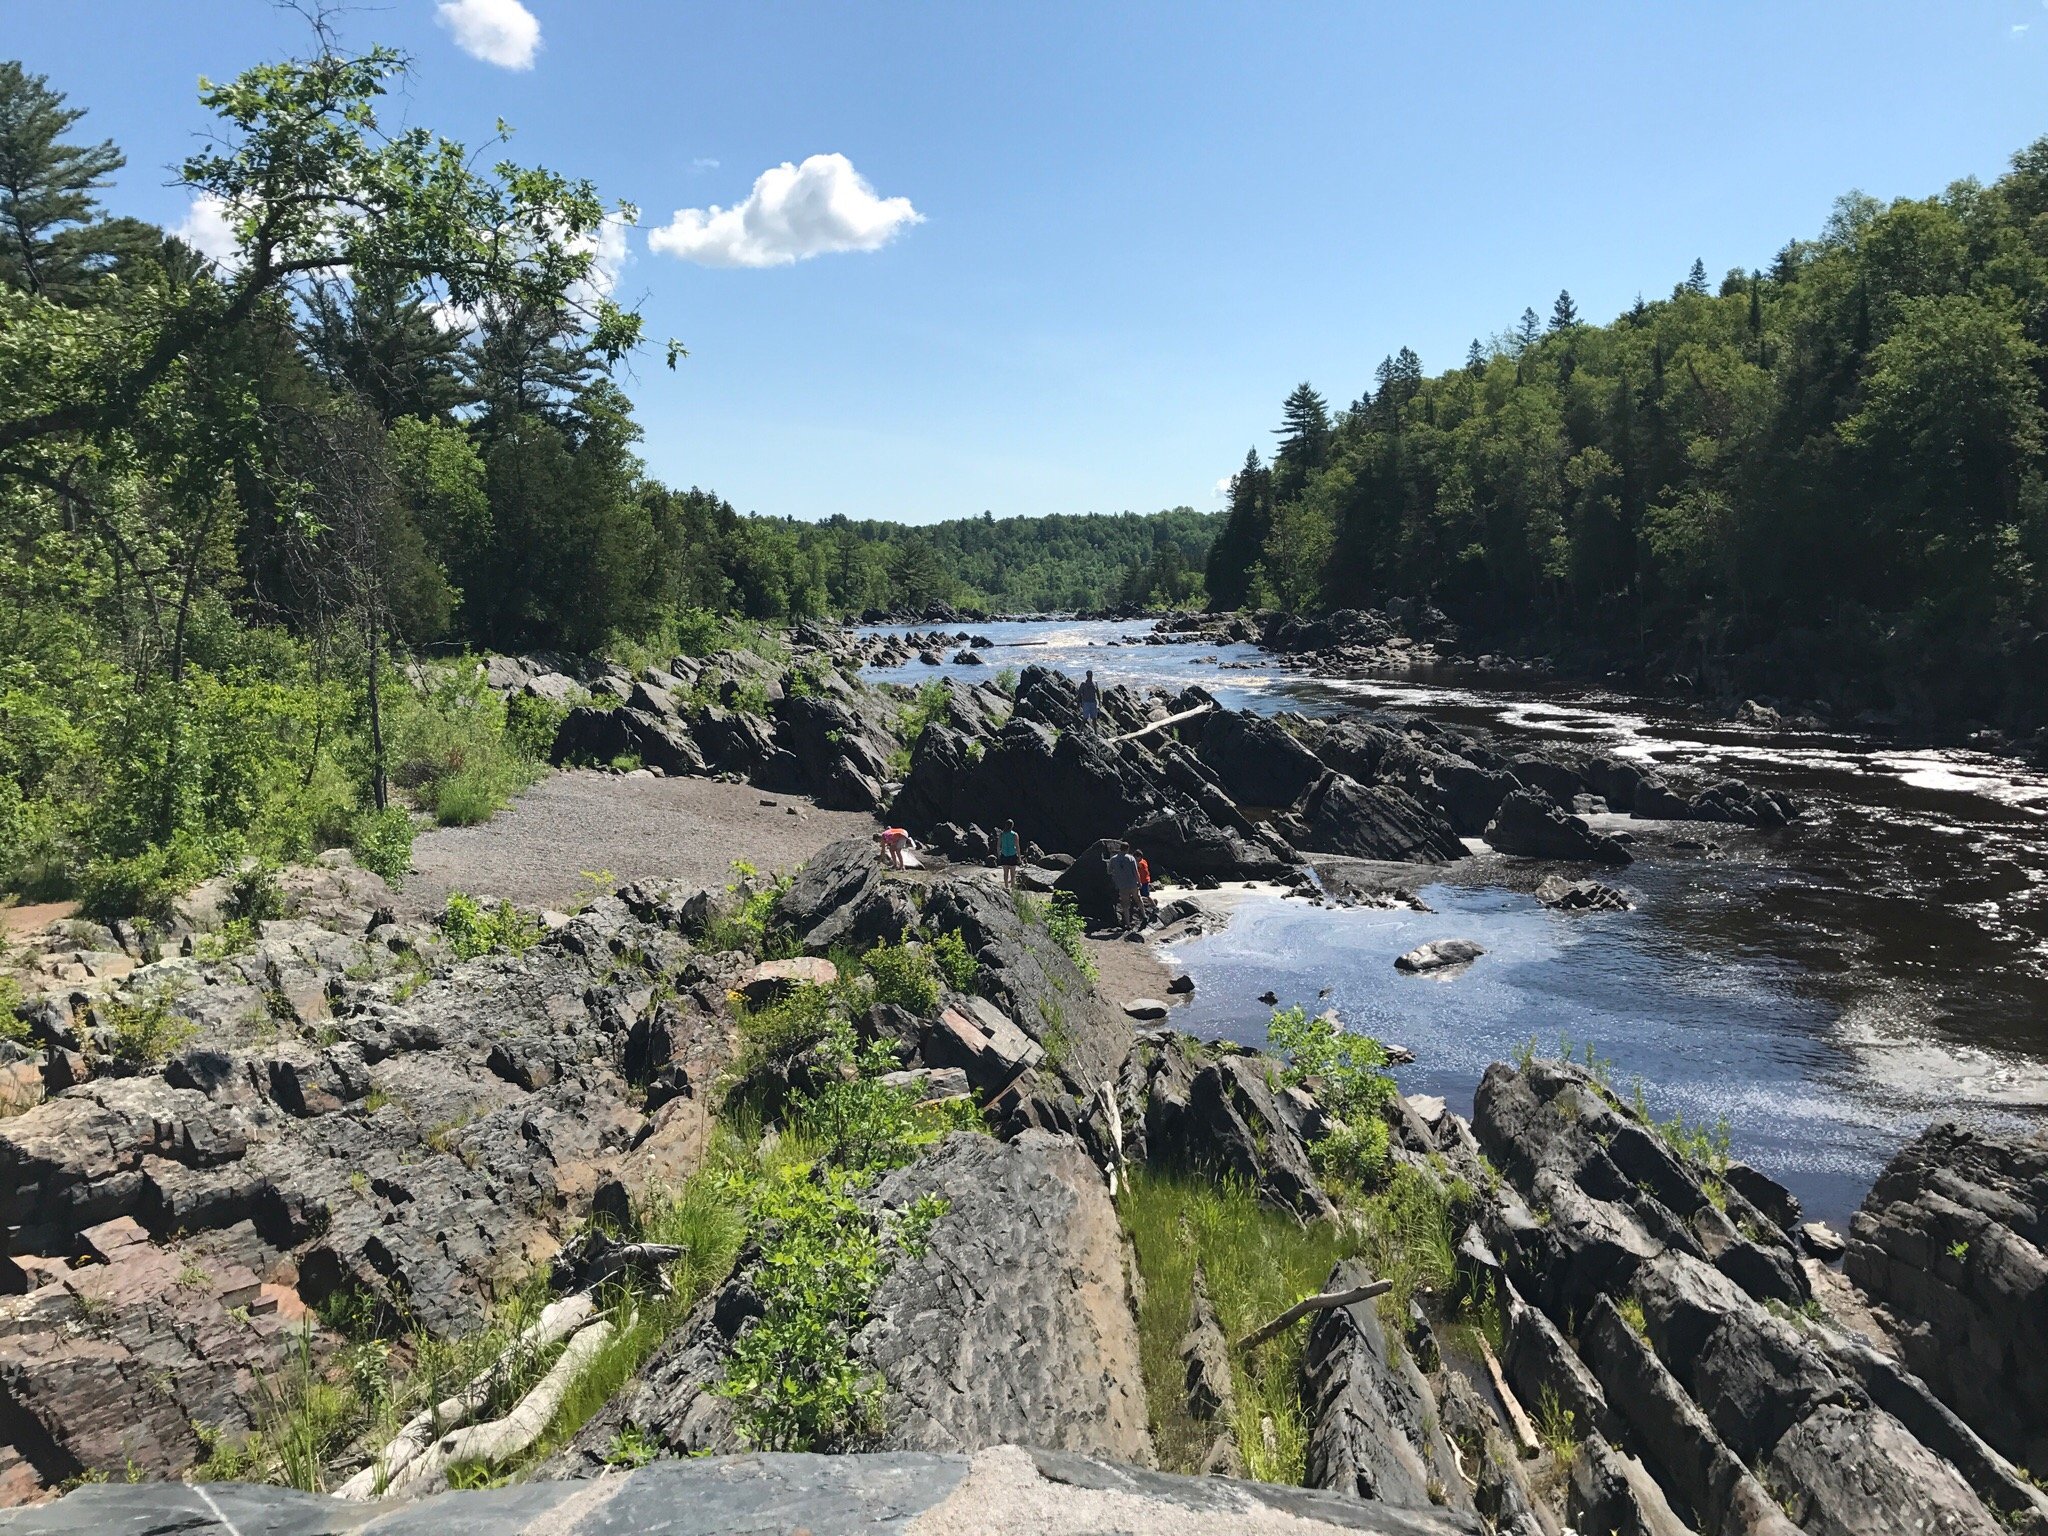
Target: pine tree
pixel 385 344
pixel 1564 314
pixel 53 241
pixel 1475 359
pixel 1529 331
pixel 1243 538
pixel 1696 279
pixel 1304 432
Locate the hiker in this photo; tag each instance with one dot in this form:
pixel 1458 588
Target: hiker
pixel 1006 853
pixel 1145 908
pixel 1091 701
pixel 1123 874
pixel 895 843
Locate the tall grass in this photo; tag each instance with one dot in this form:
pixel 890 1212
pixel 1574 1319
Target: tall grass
pixel 1257 1262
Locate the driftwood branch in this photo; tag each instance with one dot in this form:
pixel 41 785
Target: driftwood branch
pixel 1525 1432
pixel 557 1321
pixel 1113 1114
pixel 1160 725
pixel 1328 1301
pixel 506 1437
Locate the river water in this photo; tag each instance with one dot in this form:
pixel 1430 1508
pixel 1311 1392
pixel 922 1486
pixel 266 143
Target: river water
pixel 1828 989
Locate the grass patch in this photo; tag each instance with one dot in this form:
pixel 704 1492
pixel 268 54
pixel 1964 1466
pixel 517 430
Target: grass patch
pixel 1257 1262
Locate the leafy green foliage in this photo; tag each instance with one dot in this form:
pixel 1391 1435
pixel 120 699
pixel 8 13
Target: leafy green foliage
pixel 793 1375
pixel 382 843
pixel 903 974
pixel 473 929
pixel 955 961
pixel 1063 920
pixel 145 1031
pixel 12 1025
pixel 1348 1073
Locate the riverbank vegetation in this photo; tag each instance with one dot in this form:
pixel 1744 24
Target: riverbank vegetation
pixel 243 492
pixel 1828 471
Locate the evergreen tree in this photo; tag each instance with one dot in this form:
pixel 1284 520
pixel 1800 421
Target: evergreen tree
pixel 1304 434
pixel 385 344
pixel 1243 537
pixel 1696 279
pixel 1564 314
pixel 1475 359
pixel 1529 331
pixel 53 241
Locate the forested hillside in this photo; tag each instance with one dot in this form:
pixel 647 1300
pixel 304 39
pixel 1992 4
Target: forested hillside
pixel 1825 474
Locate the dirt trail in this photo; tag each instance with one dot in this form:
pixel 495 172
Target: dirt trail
pixel 684 829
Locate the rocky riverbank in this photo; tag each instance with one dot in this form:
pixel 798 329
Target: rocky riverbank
pixel 360 1131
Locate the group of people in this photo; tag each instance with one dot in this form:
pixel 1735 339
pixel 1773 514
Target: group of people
pixel 1131 874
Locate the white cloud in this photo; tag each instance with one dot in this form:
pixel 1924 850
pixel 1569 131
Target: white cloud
pixel 501 32
pixel 2019 28
pixel 1223 486
pixel 794 212
pixel 609 253
pixel 703 163
pixel 207 228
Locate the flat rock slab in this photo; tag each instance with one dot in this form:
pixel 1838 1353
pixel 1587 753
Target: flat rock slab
pixel 903 1493
pixel 1146 1008
pixel 1439 955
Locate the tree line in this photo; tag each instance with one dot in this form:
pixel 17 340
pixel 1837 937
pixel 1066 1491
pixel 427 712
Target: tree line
pixel 237 495
pixel 1821 477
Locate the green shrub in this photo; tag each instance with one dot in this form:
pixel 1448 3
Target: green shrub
pixel 148 884
pixel 531 724
pixel 955 961
pixel 793 1375
pixel 473 929
pixel 1069 929
pixel 146 1033
pixel 382 843
pixel 12 1025
pixel 464 799
pixel 453 748
pixel 903 975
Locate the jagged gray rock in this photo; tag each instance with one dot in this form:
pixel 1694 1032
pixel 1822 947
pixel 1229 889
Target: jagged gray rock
pixel 1374 1431
pixel 1529 825
pixel 1005 1488
pixel 1953 1239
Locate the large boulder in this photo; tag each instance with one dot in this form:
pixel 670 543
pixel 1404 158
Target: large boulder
pixel 1221 1118
pixel 1953 1239
pixel 600 736
pixel 1012 1323
pixel 1344 816
pixel 1374 1429
pixel 1258 762
pixel 1529 825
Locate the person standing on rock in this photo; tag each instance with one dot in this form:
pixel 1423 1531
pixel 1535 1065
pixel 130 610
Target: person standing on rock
pixel 1146 911
pixel 895 843
pixel 1006 853
pixel 1091 702
pixel 1123 874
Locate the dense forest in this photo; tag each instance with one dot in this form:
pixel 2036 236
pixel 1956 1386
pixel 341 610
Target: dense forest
pixel 236 496
pixel 1827 476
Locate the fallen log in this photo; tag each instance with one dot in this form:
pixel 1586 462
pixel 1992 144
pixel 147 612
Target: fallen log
pixel 1525 1432
pixel 501 1439
pixel 1160 725
pixel 557 1320
pixel 1327 1301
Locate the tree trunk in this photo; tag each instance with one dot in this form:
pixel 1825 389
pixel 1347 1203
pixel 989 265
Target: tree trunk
pixel 380 791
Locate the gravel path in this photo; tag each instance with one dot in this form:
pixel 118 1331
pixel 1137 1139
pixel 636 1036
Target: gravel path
pixel 534 851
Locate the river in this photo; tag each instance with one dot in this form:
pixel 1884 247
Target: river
pixel 1827 989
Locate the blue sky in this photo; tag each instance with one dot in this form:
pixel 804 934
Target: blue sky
pixel 1135 226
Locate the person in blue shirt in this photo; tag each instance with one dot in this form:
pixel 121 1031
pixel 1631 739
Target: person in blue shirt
pixel 1006 853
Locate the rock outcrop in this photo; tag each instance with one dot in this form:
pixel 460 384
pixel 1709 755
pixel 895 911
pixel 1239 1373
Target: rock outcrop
pixel 1530 825
pixel 1004 1488
pixel 1953 1241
